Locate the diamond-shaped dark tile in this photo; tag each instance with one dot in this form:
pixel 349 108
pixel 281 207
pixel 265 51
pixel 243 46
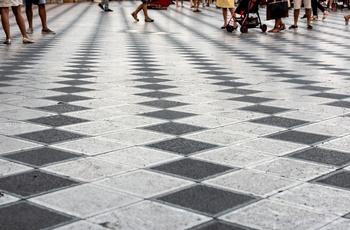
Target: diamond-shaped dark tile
pixel 339 179
pixel 50 136
pixel 207 200
pixel 347 216
pixel 299 137
pixel 342 104
pixel 7 79
pixel 149 74
pixel 68 98
pixel 264 109
pixel 147 69
pixel 63 108
pixel 315 88
pixel 230 83
pixel 57 120
pixel 71 89
pixel 158 94
pixel 151 80
pixel 3 85
pixel 287 75
pixel 239 91
pixel 167 114
pixel 219 225
pixel 79 71
pixel 75 82
pixel 155 86
pixel 213 72
pixel 324 156
pixel 24 215
pixel 301 81
pixel 163 104
pixel 223 78
pixel 182 146
pixel 279 121
pixel 40 156
pixel 251 99
pixel 192 169
pixel 33 182
pixel 330 95
pixel 204 67
pixel 173 128
pixel 77 76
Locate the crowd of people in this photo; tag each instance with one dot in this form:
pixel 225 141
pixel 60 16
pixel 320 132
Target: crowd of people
pixel 15 5
pixel 225 5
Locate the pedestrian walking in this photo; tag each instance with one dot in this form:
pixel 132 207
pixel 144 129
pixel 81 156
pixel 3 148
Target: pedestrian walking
pixel 104 5
pixel 143 7
pixel 297 6
pixel 42 14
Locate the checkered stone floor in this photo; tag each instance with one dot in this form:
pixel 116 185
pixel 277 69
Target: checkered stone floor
pixel 176 124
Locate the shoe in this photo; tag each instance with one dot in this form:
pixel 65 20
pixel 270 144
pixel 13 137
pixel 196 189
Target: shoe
pixel 134 16
pixel 309 27
pixel 7 41
pixel 108 10
pixel 47 31
pixel 235 27
pixel 100 5
pixel 293 27
pixel 149 20
pixel 197 10
pixel 223 27
pixel 346 20
pixel 314 18
pixel 303 17
pixel 282 27
pixel 29 31
pixel 27 40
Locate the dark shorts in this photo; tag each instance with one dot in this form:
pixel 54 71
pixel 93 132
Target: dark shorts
pixel 36 2
pixel 145 1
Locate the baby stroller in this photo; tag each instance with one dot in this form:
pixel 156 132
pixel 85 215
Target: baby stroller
pixel 244 9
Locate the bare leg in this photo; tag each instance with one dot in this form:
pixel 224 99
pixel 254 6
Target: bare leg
pixel 5 21
pixel 296 16
pixel 42 14
pixel 232 11
pixel 308 16
pixel 144 8
pixel 29 13
pixel 138 9
pixel 19 19
pixel 224 14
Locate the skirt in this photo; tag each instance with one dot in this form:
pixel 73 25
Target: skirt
pixel 9 3
pixel 225 3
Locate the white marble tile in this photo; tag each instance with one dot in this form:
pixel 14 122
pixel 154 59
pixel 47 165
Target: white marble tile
pixel 8 144
pixel 13 127
pixel 139 156
pixel 253 182
pixel 317 197
pixel 234 156
pixel 306 115
pixel 220 136
pixel 84 200
pixel 96 114
pixel 144 183
pixel 338 224
pixel 91 146
pixel 254 128
pixel 294 169
pixel 272 215
pixel 88 169
pixel 341 144
pixel 142 216
pixel 24 114
pixel 271 146
pixel 95 128
pixel 325 129
pixel 7 168
pixel 335 111
pixel 81 225
pixel 32 103
pixel 5 199
pixel 240 115
pixel 136 136
pixel 134 121
pixel 208 120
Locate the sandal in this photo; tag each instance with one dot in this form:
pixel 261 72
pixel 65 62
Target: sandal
pixel 282 27
pixel 274 30
pixel 325 15
pixel 134 16
pixel 149 20
pixel 7 42
pixel 314 18
pixel 346 20
pixel 293 27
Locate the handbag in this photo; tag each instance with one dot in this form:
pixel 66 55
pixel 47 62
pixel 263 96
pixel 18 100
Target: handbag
pixel 277 9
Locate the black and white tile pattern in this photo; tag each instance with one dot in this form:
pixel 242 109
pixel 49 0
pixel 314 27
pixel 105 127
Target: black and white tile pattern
pixel 176 124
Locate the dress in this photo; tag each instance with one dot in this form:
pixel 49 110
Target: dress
pixel 9 3
pixel 225 3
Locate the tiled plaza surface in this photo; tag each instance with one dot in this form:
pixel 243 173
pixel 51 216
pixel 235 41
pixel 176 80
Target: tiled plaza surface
pixel 176 124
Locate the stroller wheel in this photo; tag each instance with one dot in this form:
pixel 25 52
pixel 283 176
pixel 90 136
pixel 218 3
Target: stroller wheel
pixel 244 29
pixel 229 28
pixel 263 28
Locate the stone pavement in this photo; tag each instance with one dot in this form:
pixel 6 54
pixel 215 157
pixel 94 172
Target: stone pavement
pixel 176 124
